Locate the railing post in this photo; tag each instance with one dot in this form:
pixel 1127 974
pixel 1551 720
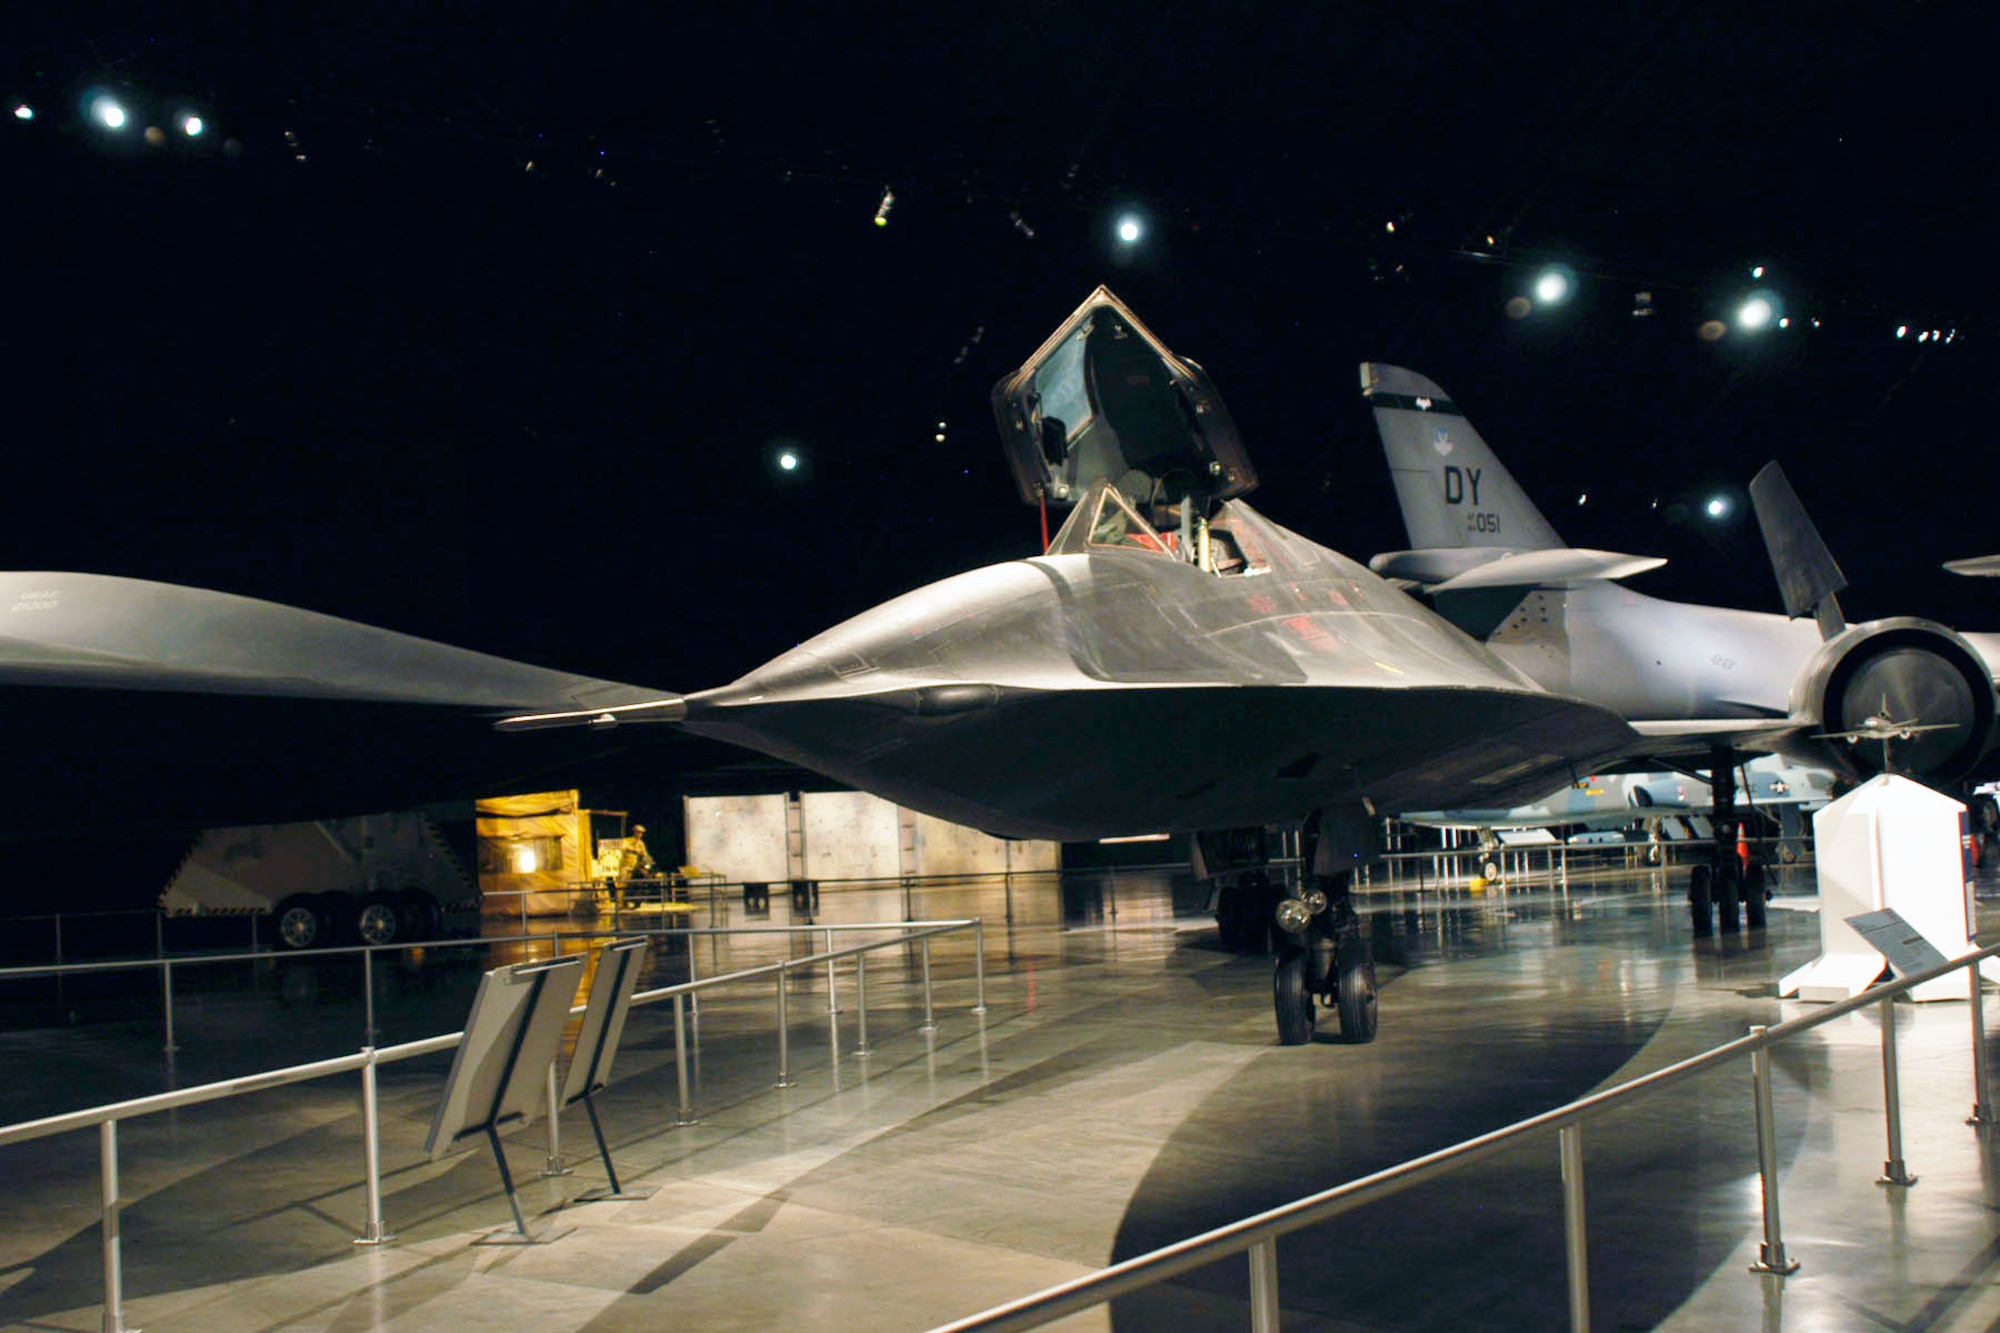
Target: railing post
pixel 861 1001
pixel 114 1273
pixel 930 1024
pixel 784 1035
pixel 1576 1225
pixel 683 1116
pixel 1771 1256
pixel 368 995
pixel 1893 1170
pixel 979 963
pixel 694 997
pixel 832 995
pixel 372 1231
pixel 1264 1287
pixel 1982 1112
pixel 167 1003
pixel 553 1164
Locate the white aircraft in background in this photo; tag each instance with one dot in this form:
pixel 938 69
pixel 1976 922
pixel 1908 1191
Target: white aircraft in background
pixel 1620 800
pixel 1902 693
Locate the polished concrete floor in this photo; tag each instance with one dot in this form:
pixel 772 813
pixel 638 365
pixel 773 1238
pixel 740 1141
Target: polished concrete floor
pixel 1123 1091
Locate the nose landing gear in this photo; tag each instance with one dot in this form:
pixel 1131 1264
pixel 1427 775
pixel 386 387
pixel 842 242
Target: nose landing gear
pixel 1323 953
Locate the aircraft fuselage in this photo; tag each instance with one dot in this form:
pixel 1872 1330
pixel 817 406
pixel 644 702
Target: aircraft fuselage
pixel 1116 691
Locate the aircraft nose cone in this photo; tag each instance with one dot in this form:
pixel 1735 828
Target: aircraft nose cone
pixel 943 648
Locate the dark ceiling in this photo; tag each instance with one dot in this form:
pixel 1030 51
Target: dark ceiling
pixel 484 324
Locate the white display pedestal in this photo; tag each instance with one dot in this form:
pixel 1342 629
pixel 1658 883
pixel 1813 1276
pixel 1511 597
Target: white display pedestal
pixel 1888 843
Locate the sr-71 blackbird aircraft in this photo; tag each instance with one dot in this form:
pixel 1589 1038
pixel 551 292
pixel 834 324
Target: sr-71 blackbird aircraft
pixel 1174 661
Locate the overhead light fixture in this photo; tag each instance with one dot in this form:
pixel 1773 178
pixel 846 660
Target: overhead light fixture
pixel 1756 312
pixel 1554 284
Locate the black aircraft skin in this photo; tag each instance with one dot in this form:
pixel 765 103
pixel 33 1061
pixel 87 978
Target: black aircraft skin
pixel 1174 662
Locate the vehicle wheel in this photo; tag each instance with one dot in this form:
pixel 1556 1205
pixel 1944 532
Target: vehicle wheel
pixel 1698 900
pixel 1489 870
pixel 1755 896
pixel 379 920
pixel 1355 968
pixel 299 924
pixel 419 916
pixel 1294 1003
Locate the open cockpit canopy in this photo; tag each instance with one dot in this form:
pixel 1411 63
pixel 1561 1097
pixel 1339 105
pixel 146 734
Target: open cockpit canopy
pixel 1104 399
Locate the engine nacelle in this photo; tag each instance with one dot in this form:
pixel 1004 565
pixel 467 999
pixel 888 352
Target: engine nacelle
pixel 1906 671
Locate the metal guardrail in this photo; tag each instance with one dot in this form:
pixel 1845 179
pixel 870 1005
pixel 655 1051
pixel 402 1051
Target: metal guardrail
pixel 1257 1236
pixel 554 938
pixel 375 1231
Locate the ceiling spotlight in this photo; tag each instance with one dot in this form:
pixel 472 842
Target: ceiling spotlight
pixel 22 111
pixel 1130 228
pixel 1717 507
pixel 1902 329
pixel 1756 313
pixel 788 461
pixel 1757 272
pixel 106 111
pixel 1924 337
pixel 1554 284
pixel 191 125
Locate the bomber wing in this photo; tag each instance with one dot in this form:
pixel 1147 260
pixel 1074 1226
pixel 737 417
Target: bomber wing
pixel 135 704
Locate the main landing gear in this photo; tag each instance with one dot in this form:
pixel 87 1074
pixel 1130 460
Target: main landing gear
pixel 1730 877
pixel 1323 954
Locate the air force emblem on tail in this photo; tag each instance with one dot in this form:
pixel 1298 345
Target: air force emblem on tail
pixel 1461 487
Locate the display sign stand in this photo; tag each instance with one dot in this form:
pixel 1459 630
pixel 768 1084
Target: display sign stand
pixel 1889 844
pixel 596 1043
pixel 511 1036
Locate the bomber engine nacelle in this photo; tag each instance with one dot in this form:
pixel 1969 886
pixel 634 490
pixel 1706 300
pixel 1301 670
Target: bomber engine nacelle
pixel 1906 694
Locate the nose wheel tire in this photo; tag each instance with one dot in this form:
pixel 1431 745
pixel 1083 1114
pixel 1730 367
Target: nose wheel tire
pixel 1292 999
pixel 1357 993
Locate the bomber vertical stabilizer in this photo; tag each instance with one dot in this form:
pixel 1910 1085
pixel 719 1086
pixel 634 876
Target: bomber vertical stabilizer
pixel 1470 524
pixel 1452 490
